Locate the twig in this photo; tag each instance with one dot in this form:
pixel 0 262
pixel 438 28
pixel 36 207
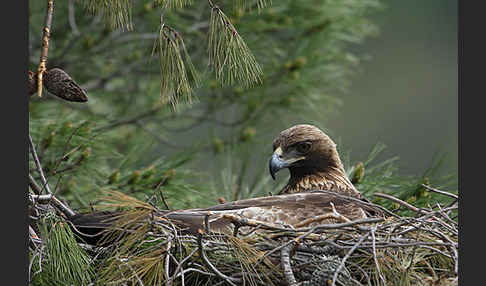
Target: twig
pixel 398 201
pixel 195 270
pixel 156 136
pixel 32 233
pixel 373 229
pixel 57 203
pixel 62 207
pixel 167 264
pixel 162 194
pixel 285 261
pixel 45 45
pixel 345 224
pixel 440 192
pixel 38 165
pixel 41 198
pixel 341 265
pixel 179 267
pixel 131 120
pixel 134 272
pixel 312 230
pixel 202 254
pixel 72 18
pixel 66 145
pixel 206 222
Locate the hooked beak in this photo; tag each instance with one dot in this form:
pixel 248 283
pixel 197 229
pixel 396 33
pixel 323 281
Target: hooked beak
pixel 280 161
pixel 276 165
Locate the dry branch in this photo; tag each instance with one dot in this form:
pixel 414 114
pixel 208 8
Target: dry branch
pixel 45 45
pixel 364 252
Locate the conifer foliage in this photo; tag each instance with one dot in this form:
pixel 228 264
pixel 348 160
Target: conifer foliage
pixel 115 129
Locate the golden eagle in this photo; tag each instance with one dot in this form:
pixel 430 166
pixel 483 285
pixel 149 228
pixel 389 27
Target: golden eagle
pixel 317 192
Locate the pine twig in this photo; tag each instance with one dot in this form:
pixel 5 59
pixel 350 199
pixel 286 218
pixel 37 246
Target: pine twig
pixel 62 207
pixel 343 261
pixel 45 45
pixel 398 201
pixel 117 12
pixel 72 18
pixel 50 197
pixel 229 55
pixel 287 268
pixel 38 165
pixel 176 67
pixel 440 192
pixel 202 254
pixel 375 259
pixel 130 120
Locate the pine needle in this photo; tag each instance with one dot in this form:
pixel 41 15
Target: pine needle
pixel 174 3
pixel 229 56
pixel 115 199
pixel 248 5
pixel 117 12
pixel 65 262
pixel 176 68
pixel 248 256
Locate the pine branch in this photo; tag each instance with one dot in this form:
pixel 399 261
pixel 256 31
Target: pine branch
pixel 229 56
pixel 50 197
pixel 249 5
pixel 65 262
pixel 175 66
pixel 117 12
pixel 45 45
pixel 171 4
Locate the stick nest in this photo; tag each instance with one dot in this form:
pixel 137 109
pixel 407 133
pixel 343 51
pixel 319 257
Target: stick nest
pixel 417 249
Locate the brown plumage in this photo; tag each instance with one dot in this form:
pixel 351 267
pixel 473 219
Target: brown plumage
pixel 319 168
pixel 314 165
pixel 318 186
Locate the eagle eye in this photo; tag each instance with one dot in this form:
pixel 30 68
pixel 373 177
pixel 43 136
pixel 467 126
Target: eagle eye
pixel 303 147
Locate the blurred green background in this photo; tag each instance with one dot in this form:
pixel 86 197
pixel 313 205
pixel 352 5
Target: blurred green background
pixel 406 95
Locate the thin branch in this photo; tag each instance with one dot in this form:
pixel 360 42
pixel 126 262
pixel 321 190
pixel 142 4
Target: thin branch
pixel 285 261
pixel 440 192
pixel 162 193
pixel 57 203
pixel 373 229
pixel 131 120
pixel 38 165
pixel 341 265
pixel 203 255
pixel 72 18
pixel 400 202
pixel 45 45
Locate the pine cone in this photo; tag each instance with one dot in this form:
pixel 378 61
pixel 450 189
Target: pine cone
pixel 32 83
pixel 60 84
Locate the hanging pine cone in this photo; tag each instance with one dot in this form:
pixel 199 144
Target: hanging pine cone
pixel 60 84
pixel 32 83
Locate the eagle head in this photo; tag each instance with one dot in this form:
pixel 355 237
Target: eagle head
pixel 303 149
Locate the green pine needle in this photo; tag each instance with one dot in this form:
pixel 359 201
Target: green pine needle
pixel 64 261
pixel 248 5
pixel 117 12
pixel 231 59
pixel 173 3
pixel 176 68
